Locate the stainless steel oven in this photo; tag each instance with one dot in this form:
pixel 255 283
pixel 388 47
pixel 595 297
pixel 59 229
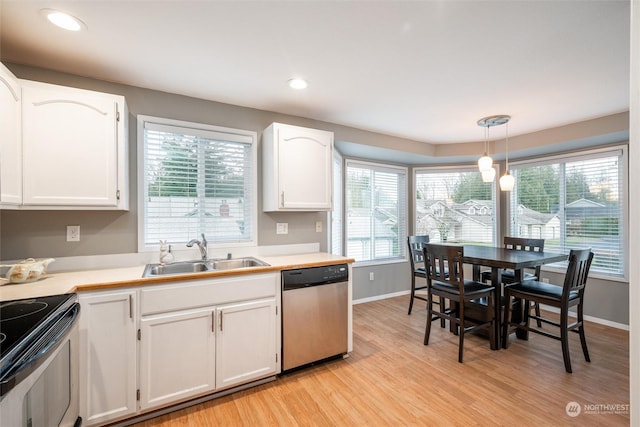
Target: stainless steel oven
pixel 39 362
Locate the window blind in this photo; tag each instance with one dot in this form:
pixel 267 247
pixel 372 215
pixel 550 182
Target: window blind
pixel 574 202
pixel 376 211
pixel 455 205
pixel 197 179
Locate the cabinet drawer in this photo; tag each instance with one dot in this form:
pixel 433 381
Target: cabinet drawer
pixel 201 293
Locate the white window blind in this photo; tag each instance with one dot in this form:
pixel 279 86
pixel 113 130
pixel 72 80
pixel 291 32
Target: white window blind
pixel 376 211
pixel 336 215
pixel 197 179
pixel 455 205
pixel 574 202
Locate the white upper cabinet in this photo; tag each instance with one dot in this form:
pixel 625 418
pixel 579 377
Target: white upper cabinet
pixel 74 148
pixel 10 139
pixel 297 169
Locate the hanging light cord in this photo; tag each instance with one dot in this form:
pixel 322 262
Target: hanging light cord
pixel 507 150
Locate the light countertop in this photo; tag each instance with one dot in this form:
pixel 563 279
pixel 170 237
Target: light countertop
pixel 93 280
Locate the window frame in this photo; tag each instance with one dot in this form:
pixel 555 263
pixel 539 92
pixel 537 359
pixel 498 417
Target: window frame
pixel 575 156
pixel 199 128
pixel 336 217
pixel 372 165
pixel 462 168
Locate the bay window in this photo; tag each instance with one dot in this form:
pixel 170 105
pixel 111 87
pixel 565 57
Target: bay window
pixel 574 201
pixel 455 205
pixel 376 211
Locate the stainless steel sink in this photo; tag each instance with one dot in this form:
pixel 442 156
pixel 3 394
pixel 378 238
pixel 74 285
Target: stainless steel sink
pixel 199 266
pixel 175 268
pixel 229 264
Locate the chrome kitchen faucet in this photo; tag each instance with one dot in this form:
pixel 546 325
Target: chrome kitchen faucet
pixel 202 245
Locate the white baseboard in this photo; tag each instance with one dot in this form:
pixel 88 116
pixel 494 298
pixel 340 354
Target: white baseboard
pixel 551 309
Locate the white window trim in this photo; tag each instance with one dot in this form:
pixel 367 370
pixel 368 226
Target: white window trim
pixel 141 120
pixel 403 257
pixel 613 150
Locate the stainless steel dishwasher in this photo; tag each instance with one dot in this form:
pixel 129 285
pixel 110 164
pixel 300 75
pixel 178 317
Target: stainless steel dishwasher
pixel 314 314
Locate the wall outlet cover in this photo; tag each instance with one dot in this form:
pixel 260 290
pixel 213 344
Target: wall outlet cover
pixel 282 228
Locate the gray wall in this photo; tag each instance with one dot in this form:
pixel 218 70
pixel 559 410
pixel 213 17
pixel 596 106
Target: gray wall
pixel 43 233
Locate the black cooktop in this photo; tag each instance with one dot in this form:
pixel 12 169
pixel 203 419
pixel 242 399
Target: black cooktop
pixel 20 319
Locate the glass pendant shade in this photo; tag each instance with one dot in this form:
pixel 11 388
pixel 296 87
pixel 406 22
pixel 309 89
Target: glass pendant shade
pixel 485 163
pixel 507 182
pixel 488 175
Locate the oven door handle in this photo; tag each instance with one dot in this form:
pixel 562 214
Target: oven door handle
pixel 34 356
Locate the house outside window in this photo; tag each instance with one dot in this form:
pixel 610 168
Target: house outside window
pixel 376 211
pixel 193 179
pixel 454 205
pixel 575 201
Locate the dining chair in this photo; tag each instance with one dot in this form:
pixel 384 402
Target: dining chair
pixel 416 259
pixel 570 294
pixel 508 275
pixel 445 279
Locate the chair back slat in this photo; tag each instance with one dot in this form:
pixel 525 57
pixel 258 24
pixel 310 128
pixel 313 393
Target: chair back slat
pixel 577 271
pixel 525 244
pixel 443 263
pixel 416 244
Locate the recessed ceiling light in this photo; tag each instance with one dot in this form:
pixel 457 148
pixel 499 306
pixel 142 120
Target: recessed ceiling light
pixel 63 20
pixel 298 84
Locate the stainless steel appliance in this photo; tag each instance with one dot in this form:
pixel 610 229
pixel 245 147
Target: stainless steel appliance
pixel 314 314
pixel 39 362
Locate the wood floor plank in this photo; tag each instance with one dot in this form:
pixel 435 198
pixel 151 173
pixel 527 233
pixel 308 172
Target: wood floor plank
pixel 392 379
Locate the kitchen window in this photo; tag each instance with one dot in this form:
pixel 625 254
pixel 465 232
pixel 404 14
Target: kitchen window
pixel 575 201
pixel 376 211
pixel 194 179
pixel 454 205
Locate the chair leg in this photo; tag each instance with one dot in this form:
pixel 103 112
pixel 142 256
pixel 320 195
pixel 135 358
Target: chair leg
pixel 492 335
pixel 537 309
pixel 564 339
pixel 583 338
pixel 413 291
pixel 442 309
pixel 507 319
pixel 427 330
pixel 461 331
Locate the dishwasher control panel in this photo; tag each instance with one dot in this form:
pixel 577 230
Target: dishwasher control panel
pixel 314 276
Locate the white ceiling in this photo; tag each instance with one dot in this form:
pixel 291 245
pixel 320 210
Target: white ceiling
pixel 422 70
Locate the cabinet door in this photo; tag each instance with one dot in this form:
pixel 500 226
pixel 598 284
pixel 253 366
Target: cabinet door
pixel 108 356
pixel 10 139
pixel 70 146
pixel 246 342
pixel 177 352
pixel 304 168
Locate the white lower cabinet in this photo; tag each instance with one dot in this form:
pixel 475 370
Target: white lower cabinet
pixel 177 356
pixel 107 356
pixel 246 344
pixel 186 338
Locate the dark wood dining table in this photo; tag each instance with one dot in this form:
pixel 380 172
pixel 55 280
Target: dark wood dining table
pixel 498 259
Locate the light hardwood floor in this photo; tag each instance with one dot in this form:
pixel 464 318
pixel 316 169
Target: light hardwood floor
pixel 392 379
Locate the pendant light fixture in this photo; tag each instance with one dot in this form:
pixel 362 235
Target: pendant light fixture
pixel 485 163
pixel 507 181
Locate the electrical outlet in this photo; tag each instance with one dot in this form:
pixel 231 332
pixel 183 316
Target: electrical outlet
pixel 545 280
pixel 371 275
pixel 318 226
pixel 73 233
pixel 282 228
